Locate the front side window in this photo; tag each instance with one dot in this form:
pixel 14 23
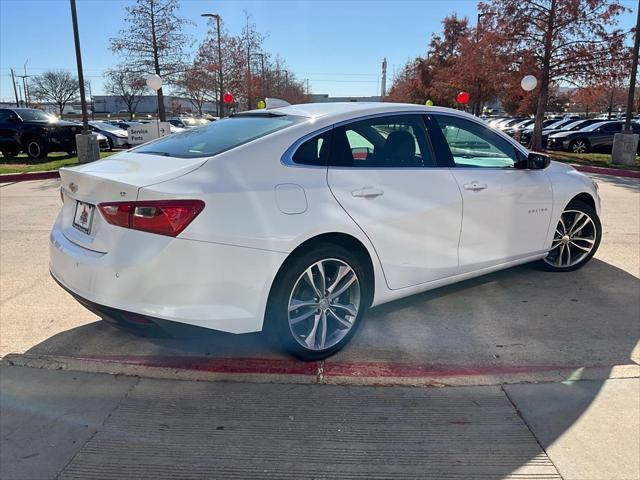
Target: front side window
pixel 218 136
pixel 473 145
pixel 382 142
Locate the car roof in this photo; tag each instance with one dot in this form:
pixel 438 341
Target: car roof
pixel 347 109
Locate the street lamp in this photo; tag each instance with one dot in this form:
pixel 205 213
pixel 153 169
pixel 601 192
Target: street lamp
pixel 87 145
pixel 221 87
pixel 261 55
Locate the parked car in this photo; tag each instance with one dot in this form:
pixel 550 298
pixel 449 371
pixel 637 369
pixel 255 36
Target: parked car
pixel 35 132
pixel 184 122
pixel 594 137
pixel 116 136
pixel 514 130
pixel 295 220
pixel 561 126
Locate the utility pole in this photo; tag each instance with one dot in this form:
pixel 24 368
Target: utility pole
pixel 383 86
pixel 220 82
pixel 248 67
pixel 24 89
pixel 91 96
pixel 87 144
pixel 307 80
pixel 20 101
pixel 625 144
pixel 15 89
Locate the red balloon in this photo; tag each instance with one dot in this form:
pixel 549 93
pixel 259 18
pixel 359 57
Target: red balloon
pixel 227 97
pixel 463 98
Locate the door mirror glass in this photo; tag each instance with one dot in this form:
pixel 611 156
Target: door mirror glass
pixel 537 161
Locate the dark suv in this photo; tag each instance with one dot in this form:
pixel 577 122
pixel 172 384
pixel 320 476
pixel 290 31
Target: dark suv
pixel 35 132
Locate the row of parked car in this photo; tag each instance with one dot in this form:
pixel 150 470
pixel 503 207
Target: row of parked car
pixel 38 133
pixel 571 133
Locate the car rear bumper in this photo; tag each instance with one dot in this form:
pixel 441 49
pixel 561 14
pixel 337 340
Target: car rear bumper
pixel 216 286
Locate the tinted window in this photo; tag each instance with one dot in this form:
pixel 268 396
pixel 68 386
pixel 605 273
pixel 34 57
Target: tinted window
pixel 5 115
pixel 33 115
pixel 473 145
pixel 314 151
pixel 217 137
pixel 382 142
pixel 613 127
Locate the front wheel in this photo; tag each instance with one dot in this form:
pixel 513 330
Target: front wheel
pixel 318 302
pixel 36 149
pixel 576 239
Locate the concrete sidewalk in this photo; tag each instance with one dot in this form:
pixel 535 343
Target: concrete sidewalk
pixel 81 426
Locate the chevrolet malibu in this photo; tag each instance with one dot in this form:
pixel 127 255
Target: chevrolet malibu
pixel 296 220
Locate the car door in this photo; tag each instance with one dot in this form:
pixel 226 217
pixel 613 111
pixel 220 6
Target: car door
pixel 506 210
pixel 605 135
pixel 8 130
pixel 384 174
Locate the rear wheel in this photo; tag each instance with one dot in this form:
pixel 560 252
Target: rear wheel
pixel 36 149
pixel 576 239
pixel 318 302
pixel 579 145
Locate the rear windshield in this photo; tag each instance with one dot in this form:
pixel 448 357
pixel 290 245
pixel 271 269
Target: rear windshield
pixel 219 136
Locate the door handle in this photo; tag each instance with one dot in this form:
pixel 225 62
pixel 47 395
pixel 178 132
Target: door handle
pixel 475 186
pixel 366 192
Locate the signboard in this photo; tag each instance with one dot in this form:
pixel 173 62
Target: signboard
pixel 144 133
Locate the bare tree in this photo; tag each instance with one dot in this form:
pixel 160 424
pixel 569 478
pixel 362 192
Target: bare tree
pixel 127 85
pixel 56 86
pixel 198 84
pixel 153 41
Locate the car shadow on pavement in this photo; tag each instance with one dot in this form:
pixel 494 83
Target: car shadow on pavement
pixel 517 317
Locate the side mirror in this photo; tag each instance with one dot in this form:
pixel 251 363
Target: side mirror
pixel 537 161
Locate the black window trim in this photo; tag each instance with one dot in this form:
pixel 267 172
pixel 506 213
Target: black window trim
pixel 442 161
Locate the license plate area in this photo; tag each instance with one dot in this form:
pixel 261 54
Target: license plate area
pixel 83 217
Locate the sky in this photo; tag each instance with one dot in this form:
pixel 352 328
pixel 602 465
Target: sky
pixel 337 45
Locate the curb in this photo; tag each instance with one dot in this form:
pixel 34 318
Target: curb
pixel 28 176
pixel 275 370
pixel 616 172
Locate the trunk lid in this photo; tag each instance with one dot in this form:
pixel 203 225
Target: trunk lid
pixel 115 179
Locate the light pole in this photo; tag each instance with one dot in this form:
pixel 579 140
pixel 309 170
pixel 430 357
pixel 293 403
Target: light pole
pixel 625 144
pixel 261 55
pixel 220 84
pixel 87 145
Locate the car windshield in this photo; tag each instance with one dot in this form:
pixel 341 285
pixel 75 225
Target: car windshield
pixel 219 136
pixel 33 115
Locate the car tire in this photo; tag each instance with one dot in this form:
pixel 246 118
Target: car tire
pixel 110 144
pixel 36 149
pixel 10 153
pixel 576 239
pixel 324 322
pixel 579 145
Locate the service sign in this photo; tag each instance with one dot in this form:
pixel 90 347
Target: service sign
pixel 149 131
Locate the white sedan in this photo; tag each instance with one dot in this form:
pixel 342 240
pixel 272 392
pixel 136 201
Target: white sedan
pixel 296 220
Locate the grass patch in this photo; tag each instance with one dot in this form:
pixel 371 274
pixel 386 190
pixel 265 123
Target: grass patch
pixel 22 163
pixel 595 159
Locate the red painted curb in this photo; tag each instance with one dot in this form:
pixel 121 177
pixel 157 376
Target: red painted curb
pixel 617 172
pixel 23 177
pixel 329 369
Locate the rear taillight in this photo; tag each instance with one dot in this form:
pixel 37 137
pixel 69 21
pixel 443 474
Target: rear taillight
pixel 164 217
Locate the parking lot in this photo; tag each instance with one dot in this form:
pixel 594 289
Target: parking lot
pixel 521 321
pixel 493 335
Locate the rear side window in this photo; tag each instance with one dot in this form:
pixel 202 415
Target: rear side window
pixel 219 136
pixel 314 151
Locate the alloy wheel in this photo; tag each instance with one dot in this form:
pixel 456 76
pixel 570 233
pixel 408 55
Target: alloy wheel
pixel 324 304
pixel 579 146
pixel 574 239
